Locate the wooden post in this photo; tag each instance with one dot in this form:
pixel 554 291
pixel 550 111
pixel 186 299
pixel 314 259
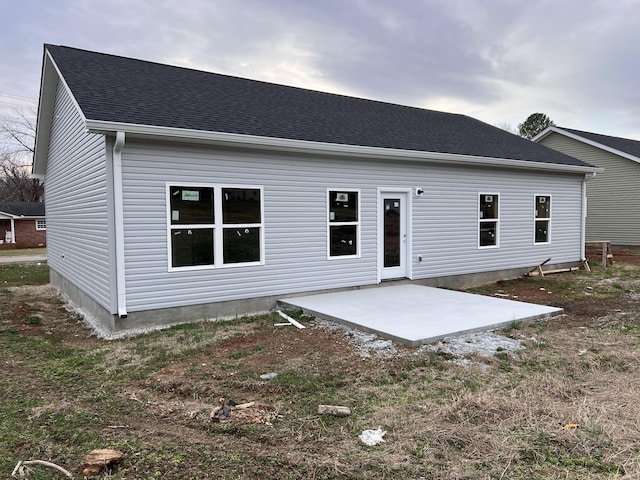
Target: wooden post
pixel 607 256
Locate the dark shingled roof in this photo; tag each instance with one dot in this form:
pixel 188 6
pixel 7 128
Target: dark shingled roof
pixel 23 209
pixel 117 89
pixel 631 147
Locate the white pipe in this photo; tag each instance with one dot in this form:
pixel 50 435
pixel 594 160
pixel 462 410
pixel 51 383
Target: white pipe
pixel 119 224
pixel 290 320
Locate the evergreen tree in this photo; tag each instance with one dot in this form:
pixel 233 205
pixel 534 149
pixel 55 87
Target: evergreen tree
pixel 533 125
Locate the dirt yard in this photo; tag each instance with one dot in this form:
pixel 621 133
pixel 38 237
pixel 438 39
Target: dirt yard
pixel 563 404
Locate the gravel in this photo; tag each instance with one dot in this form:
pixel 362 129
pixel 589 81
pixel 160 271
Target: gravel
pixel 485 344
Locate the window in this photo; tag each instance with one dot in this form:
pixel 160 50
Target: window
pixel 488 220
pixel 343 223
pixel 41 224
pixel 213 226
pixel 542 218
pixel 242 224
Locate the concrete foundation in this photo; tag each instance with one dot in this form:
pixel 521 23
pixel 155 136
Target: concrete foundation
pixel 111 326
pixel 108 325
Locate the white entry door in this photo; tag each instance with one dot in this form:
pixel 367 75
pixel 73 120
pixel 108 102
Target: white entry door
pixel 392 231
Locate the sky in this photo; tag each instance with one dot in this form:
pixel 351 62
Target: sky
pixel 578 61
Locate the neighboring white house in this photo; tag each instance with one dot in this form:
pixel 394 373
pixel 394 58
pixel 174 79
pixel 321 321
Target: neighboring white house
pixel 614 194
pixel 175 194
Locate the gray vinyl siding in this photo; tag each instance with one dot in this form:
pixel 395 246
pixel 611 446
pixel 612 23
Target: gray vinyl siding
pixel 76 196
pixel 445 221
pixel 613 211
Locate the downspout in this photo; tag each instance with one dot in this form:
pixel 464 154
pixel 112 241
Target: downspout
pixel 583 232
pixel 119 224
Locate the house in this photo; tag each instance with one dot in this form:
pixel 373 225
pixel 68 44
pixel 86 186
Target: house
pixel 613 195
pixel 175 194
pixel 22 225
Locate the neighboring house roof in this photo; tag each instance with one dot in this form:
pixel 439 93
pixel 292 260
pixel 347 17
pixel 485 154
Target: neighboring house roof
pixel 117 93
pixel 22 209
pixel 624 147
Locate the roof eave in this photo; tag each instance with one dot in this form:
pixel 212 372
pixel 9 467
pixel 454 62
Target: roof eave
pixel 304 146
pixel 549 130
pixel 20 217
pixel 44 116
pixel 544 133
pixel 46 104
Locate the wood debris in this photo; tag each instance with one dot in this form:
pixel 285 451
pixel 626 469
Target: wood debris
pixel 97 460
pixel 538 270
pixel 251 413
pixel 22 471
pixel 335 410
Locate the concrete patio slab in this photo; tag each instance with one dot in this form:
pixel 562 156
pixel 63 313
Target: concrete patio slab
pixel 415 315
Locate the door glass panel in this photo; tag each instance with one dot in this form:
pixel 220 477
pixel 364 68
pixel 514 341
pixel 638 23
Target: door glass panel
pixel 391 232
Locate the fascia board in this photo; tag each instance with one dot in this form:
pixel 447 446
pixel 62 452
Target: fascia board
pixel 46 103
pixel 20 217
pixel 44 117
pixel 587 141
pixel 303 146
pixel 544 133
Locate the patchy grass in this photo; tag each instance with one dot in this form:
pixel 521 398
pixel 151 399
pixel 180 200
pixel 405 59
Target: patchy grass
pixel 65 393
pixel 29 273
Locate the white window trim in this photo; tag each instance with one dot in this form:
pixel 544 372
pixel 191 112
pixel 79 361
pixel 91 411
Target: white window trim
pixel 535 219
pixel 339 224
pixel 487 220
pixel 38 227
pixel 218 226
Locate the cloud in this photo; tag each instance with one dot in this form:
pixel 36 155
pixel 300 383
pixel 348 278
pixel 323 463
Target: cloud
pixel 497 60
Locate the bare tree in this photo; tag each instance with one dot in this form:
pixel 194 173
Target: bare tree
pixel 16 183
pixel 17 140
pixel 18 130
pixel 507 127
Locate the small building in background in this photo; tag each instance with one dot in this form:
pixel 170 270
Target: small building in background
pixel 613 195
pixel 22 225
